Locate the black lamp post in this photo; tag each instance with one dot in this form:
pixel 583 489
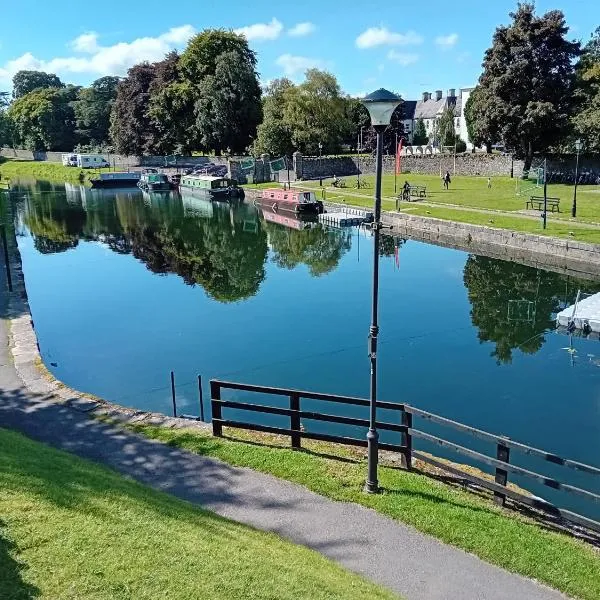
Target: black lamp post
pixel 320 165
pixel 578 147
pixel 380 104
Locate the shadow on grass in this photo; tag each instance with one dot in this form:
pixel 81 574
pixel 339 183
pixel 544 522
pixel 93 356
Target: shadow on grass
pixel 12 586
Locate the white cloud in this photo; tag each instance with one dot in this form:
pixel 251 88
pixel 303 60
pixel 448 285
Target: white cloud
pixel 102 60
pixel 302 29
pixel 382 36
pixel 86 42
pixel 403 58
pixel 293 65
pixel 260 32
pixel 447 41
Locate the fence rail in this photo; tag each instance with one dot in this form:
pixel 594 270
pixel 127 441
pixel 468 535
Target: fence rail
pixel 407 432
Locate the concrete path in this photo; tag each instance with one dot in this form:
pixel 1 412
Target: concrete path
pixel 385 551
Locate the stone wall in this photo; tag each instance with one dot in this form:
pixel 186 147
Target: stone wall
pixel 561 255
pixel 466 164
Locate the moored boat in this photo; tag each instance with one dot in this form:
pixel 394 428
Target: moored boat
pixel 214 188
pixel 294 201
pixel 154 182
pixel 116 179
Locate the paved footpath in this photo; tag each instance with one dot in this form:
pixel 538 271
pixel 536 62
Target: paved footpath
pixel 385 551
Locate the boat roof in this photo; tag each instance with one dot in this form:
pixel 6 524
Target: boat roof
pixel 205 177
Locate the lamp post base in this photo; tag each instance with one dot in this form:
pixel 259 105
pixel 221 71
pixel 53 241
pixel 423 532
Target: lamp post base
pixel 372 485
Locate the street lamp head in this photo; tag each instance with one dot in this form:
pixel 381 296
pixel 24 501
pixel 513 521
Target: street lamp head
pixel 381 105
pixel 578 145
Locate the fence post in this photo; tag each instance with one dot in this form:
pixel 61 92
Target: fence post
pixel 215 394
pixel 173 394
pixel 407 455
pixel 503 454
pixel 200 397
pixel 295 420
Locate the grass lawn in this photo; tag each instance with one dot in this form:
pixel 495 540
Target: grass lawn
pixel 452 515
pixel 48 171
pixel 71 529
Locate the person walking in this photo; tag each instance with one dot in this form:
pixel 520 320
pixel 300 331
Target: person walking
pixel 447 180
pixel 489 183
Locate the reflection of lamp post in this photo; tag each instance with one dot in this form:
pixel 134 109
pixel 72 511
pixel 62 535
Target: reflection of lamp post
pixel 380 104
pixel 578 147
pixel 320 165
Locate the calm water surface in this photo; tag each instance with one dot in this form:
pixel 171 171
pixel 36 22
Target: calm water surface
pixel 125 287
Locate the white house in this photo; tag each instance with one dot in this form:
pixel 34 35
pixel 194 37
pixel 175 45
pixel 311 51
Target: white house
pixel 430 109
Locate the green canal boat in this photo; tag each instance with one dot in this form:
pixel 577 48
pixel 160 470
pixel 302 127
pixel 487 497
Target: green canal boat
pixel 154 182
pixel 214 188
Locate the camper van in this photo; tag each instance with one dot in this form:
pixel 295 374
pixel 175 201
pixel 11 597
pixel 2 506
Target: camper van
pixel 91 161
pixel 69 160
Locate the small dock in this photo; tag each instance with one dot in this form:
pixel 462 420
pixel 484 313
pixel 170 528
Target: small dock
pixel 345 217
pixel 583 315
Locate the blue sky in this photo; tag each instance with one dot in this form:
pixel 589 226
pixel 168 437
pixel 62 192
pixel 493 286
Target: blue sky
pixel 408 47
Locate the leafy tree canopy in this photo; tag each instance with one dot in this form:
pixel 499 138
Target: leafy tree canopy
pixel 524 97
pixel 28 81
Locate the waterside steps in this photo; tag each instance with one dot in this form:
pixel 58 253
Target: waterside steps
pixel 584 315
pixel 345 217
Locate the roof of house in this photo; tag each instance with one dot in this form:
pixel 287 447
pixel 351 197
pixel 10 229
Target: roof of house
pixel 429 109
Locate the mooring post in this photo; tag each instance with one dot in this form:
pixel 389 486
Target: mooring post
pixel 295 420
pixel 200 397
pixel 215 397
pixel 173 394
pixel 503 454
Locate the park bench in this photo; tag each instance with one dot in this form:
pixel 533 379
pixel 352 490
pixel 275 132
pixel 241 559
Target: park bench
pixel 414 192
pixel 538 202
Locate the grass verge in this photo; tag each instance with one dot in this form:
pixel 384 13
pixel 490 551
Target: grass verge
pixel 47 171
pixel 454 516
pixel 72 529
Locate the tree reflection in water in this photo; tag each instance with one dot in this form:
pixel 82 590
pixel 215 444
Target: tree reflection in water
pixel 513 305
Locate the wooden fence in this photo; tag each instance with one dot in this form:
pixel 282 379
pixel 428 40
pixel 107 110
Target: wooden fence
pixel 407 433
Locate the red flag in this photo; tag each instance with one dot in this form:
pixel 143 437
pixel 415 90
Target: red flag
pixel 398 163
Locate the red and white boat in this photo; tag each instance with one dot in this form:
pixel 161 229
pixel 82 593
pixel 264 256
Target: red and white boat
pixel 294 201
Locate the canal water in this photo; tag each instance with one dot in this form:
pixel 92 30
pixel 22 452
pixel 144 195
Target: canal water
pixel 125 287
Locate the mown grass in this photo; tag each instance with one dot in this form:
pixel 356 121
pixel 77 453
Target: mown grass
pixel 47 171
pixel 72 529
pixel 450 514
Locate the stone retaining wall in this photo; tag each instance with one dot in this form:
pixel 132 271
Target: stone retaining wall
pixel 564 256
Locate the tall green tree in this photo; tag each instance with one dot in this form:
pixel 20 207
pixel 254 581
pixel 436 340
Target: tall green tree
pixel 420 137
pixel 274 134
pixel 587 116
pixel 480 118
pixel 44 119
pixel 168 108
pixel 92 112
pixel 224 92
pixel 28 81
pixel 445 127
pixel 526 88
pixel 131 129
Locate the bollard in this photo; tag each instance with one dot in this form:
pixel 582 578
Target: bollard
pixel 173 394
pixel 200 398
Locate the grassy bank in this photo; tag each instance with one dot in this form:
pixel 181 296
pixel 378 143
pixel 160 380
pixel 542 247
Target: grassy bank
pixel 450 514
pixel 47 171
pixel 71 529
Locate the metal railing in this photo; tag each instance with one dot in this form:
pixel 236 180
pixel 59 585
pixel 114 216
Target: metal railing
pixel 404 426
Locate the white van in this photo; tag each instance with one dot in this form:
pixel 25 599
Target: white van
pixel 91 161
pixel 69 160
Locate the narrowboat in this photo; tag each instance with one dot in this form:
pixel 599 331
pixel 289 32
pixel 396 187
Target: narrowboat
pixel 294 201
pixel 155 182
pixel 288 220
pixel 117 179
pixel 215 188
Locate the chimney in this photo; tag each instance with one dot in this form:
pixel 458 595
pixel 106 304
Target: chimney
pixel 425 96
pixel 451 93
pixel 438 94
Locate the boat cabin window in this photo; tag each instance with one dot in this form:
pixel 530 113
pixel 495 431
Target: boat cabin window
pixel 285 196
pixel 272 195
